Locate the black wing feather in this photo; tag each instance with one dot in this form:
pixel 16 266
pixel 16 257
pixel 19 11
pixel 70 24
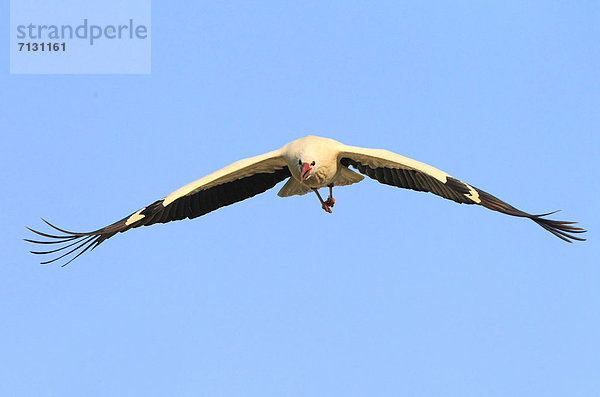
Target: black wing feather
pixel 189 206
pixel 457 191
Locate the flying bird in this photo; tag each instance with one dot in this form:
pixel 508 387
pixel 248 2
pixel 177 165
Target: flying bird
pixel 308 164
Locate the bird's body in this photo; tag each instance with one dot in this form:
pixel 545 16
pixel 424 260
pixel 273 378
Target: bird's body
pixel 308 163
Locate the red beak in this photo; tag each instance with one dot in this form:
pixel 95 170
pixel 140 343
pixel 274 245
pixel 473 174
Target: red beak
pixel 305 170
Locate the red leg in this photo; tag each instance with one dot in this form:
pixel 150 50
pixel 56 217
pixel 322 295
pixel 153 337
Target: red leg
pixel 330 200
pixel 323 203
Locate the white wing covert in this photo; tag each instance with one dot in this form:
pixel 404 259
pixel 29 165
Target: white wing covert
pixel 392 169
pixel 236 182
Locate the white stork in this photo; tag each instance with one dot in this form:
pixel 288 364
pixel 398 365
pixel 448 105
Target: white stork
pixel 308 163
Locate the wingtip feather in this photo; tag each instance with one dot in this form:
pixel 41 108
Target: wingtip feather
pixel 80 241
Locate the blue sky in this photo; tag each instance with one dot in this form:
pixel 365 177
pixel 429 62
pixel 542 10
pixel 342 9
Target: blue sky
pixel 395 293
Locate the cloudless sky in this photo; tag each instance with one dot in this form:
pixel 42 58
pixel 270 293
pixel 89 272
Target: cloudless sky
pixel 397 293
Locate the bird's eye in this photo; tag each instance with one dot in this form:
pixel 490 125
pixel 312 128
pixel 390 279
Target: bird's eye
pixel 299 162
pixel 312 164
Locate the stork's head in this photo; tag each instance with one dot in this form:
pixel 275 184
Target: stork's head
pixel 311 160
pixel 306 167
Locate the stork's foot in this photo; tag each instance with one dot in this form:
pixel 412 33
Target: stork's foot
pixel 330 201
pixel 326 207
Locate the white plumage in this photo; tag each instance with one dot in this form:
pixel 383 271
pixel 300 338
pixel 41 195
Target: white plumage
pixel 310 163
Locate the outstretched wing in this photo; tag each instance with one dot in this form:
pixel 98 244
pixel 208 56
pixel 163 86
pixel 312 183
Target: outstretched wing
pixel 392 169
pixel 236 182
